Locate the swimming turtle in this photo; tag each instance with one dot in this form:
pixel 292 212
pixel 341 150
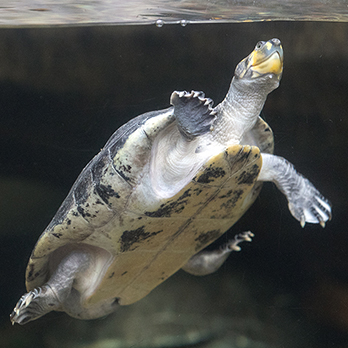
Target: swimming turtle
pixel 167 184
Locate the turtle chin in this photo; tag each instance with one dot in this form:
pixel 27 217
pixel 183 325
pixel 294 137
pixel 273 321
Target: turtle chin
pixel 263 84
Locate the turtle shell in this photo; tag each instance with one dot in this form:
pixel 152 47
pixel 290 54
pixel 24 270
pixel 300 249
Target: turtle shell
pixel 146 240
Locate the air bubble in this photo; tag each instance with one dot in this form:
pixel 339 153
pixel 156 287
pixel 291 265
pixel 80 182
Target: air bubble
pixel 183 22
pixel 159 23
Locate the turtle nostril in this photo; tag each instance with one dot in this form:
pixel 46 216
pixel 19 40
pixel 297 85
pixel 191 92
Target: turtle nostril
pixel 276 41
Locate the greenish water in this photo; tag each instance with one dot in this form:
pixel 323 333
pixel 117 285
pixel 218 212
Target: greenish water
pixel 63 93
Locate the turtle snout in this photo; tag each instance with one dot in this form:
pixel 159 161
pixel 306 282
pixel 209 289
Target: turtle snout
pixel 276 42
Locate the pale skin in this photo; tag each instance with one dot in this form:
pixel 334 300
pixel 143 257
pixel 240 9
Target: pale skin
pixel 194 142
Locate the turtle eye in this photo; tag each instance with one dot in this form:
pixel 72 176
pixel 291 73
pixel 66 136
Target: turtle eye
pixel 259 45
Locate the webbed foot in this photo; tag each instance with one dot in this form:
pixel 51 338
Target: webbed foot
pixel 209 261
pixel 305 202
pixel 232 245
pixel 310 206
pixel 33 305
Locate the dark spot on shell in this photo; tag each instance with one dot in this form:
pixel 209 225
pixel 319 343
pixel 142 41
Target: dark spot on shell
pixel 105 192
pixel 126 168
pixel 168 209
pixel 124 273
pixel 125 177
pixel 241 156
pixel 82 212
pixel 205 238
pixel 99 202
pixel 249 177
pixel 31 271
pixel 197 191
pixel 210 174
pixel 185 195
pixel 139 235
pixel 68 221
pixel 233 200
pixel 111 275
pixel 80 189
pixel 228 194
pixel 98 164
pixel 57 235
pixel 140 217
pixel 267 130
pixel 75 213
pixel 31 275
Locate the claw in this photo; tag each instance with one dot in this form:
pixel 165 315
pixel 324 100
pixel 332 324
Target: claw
pixel 322 223
pixel 247 239
pixel 27 300
pixel 302 221
pixel 241 237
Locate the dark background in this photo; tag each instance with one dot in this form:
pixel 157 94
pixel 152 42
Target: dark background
pixel 64 91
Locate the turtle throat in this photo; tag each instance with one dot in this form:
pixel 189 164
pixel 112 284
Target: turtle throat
pixel 238 112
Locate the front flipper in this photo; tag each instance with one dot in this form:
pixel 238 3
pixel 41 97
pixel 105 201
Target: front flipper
pixel 209 261
pixel 193 113
pixel 306 203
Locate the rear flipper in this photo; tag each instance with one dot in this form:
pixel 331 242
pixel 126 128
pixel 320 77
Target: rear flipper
pixel 206 262
pixel 34 305
pixel 305 202
pixel 50 296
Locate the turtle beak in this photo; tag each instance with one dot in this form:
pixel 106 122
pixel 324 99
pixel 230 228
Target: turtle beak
pixel 267 58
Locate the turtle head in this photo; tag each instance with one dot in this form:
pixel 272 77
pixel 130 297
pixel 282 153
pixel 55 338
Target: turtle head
pixel 264 65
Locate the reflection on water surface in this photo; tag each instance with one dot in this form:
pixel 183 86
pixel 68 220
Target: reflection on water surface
pixel 66 12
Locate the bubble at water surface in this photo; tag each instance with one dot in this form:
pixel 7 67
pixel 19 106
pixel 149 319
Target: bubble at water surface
pixel 159 23
pixel 183 22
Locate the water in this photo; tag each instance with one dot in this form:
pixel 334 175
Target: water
pixel 15 13
pixel 63 93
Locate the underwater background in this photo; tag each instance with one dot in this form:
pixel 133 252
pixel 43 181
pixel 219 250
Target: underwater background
pixel 64 91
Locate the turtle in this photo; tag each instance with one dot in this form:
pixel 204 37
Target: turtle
pixel 166 185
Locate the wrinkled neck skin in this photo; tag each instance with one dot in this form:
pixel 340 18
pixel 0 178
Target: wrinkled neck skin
pixel 238 112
